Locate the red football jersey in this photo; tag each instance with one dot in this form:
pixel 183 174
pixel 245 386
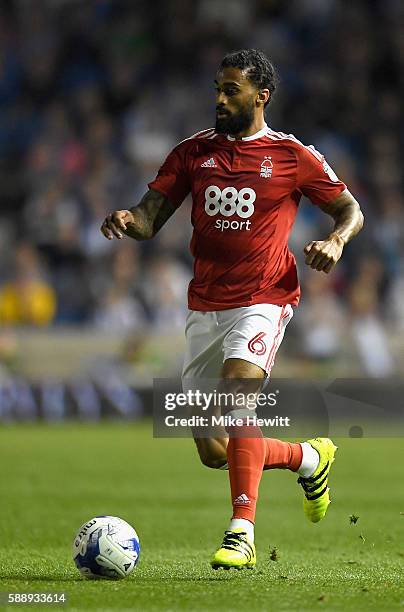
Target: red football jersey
pixel 245 195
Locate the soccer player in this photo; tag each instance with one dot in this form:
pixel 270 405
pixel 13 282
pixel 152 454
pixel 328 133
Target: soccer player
pixel 246 182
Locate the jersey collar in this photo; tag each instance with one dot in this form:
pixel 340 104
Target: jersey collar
pixel 259 134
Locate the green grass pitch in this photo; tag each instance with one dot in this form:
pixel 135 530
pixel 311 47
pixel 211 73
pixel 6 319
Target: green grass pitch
pixel 56 477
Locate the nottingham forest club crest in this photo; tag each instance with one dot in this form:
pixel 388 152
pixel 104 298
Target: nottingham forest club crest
pixel 266 167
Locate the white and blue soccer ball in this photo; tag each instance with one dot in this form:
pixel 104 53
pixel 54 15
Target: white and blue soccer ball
pixel 106 547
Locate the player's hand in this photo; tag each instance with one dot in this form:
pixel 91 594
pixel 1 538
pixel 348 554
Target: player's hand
pixel 322 255
pixel 116 224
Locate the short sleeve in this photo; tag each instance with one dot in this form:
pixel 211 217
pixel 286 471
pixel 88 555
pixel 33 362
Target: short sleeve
pixel 315 178
pixel 172 179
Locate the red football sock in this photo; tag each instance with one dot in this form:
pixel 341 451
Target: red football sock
pixel 247 457
pixel 282 455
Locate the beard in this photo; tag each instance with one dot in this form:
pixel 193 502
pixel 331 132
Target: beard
pixel 234 124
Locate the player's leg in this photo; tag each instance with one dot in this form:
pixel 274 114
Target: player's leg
pixel 203 362
pixel 212 451
pixel 256 338
pixel 249 453
pixel 249 350
pixel 245 459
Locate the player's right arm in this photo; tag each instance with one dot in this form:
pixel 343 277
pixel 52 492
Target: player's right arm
pixel 141 222
pixel 165 195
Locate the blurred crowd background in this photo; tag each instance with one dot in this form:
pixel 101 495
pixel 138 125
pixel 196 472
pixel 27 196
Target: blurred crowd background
pixel 94 94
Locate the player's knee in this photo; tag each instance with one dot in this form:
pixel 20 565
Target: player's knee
pixel 212 462
pixel 239 369
pixel 240 377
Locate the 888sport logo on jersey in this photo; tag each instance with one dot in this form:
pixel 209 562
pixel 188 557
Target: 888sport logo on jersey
pixel 236 206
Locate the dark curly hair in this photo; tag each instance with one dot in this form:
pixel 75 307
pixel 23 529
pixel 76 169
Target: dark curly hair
pixel 259 69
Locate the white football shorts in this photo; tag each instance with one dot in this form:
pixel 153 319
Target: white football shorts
pixel 252 333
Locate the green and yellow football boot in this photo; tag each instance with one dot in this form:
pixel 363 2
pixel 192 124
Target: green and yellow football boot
pixel 316 490
pixel 236 551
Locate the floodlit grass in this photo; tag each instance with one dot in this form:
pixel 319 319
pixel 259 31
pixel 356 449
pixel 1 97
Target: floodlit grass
pixel 56 477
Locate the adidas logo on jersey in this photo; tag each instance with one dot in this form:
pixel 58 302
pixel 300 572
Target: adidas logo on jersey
pixel 242 499
pixel 209 163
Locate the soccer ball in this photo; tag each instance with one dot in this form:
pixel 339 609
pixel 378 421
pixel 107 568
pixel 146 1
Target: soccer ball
pixel 106 547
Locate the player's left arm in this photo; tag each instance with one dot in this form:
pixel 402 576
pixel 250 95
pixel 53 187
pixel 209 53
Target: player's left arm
pixel 322 255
